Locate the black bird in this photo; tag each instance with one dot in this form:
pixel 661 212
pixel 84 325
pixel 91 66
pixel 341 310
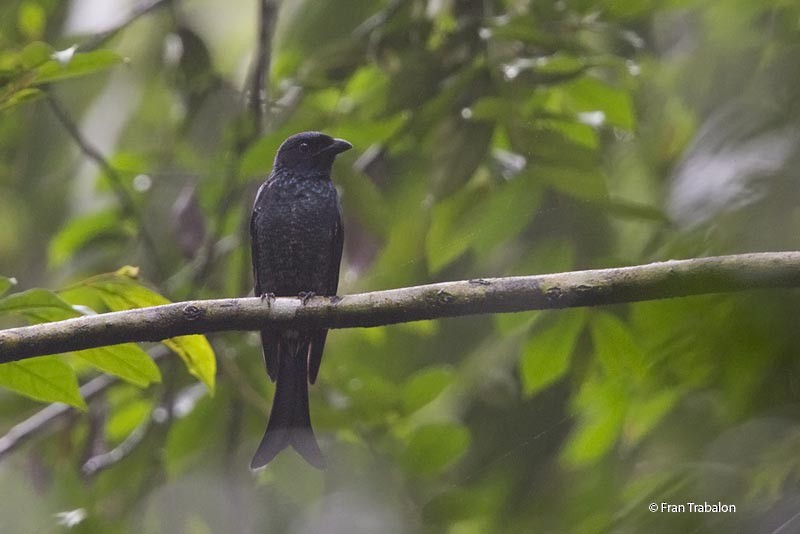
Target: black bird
pixel 296 237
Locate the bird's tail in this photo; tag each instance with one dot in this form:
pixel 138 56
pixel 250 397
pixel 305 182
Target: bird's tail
pixel 289 420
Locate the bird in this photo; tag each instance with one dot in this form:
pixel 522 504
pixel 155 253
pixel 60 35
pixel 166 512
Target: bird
pixel 296 236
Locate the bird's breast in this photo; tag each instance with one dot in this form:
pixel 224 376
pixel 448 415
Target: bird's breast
pixel 296 221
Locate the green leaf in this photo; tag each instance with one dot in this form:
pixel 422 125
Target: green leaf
pixel 20 97
pixel 547 355
pixel 38 305
pixel 616 348
pixel 643 415
pixel 424 386
pixel 433 448
pixel 6 283
pixel 457 504
pixel 81 64
pixel 373 396
pixel 480 217
pixel 126 361
pixel 601 405
pixel 364 133
pixel 584 184
pixel 121 291
pixel 197 354
pixel 46 379
pixel 31 19
pixel 444 242
pixel 591 94
pixel 126 417
pixel 81 231
pixel 35 54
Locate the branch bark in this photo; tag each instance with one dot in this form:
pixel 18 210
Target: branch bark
pixel 675 278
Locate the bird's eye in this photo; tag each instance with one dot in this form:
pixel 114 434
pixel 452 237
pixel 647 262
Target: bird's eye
pixel 303 147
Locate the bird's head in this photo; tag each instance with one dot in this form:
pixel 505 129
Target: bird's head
pixel 309 152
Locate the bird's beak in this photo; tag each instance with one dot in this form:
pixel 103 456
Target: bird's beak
pixel 338 146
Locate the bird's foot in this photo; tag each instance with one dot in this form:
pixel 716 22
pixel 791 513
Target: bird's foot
pixel 305 296
pixel 269 297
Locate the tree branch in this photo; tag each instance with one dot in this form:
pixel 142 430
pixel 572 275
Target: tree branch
pixel 675 278
pixel 258 85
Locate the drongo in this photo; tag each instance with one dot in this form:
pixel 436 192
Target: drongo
pixel 296 237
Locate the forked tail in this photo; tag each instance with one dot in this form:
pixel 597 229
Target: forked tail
pixel 289 420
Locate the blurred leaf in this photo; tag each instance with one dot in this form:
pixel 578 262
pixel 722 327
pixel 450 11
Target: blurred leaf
pixel 308 29
pixel 363 133
pixel 81 64
pixel 616 348
pixel 189 437
pixel 80 232
pixel 20 97
pixel 433 448
pixel 508 323
pixel 6 283
pixel 625 208
pixel 455 505
pixel 35 54
pixel 126 417
pixel 31 19
pixel 126 361
pixel 522 27
pixel 547 355
pixel 579 133
pixel 601 406
pixel 580 183
pixel 424 386
pixel 444 243
pixel 367 89
pixel 458 148
pixel 644 414
pixel 373 397
pixel 398 263
pixel 46 379
pixel 591 94
pixel 481 218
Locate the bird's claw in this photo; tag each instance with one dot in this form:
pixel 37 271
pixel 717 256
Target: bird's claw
pixel 305 296
pixel 269 297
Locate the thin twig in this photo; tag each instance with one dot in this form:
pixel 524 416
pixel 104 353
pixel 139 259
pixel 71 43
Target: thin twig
pixel 101 38
pixel 258 85
pixel 101 462
pixel 114 179
pixel 675 278
pixel 160 417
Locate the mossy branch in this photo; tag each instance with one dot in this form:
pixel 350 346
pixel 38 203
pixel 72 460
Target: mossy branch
pixel 676 278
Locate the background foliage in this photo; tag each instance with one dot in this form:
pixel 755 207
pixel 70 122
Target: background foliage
pixel 493 138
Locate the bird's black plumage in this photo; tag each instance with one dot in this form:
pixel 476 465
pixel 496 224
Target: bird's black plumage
pixel 296 236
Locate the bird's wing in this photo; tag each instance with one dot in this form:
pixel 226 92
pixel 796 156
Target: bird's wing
pixel 269 342
pixel 336 256
pixel 318 338
pixel 254 253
